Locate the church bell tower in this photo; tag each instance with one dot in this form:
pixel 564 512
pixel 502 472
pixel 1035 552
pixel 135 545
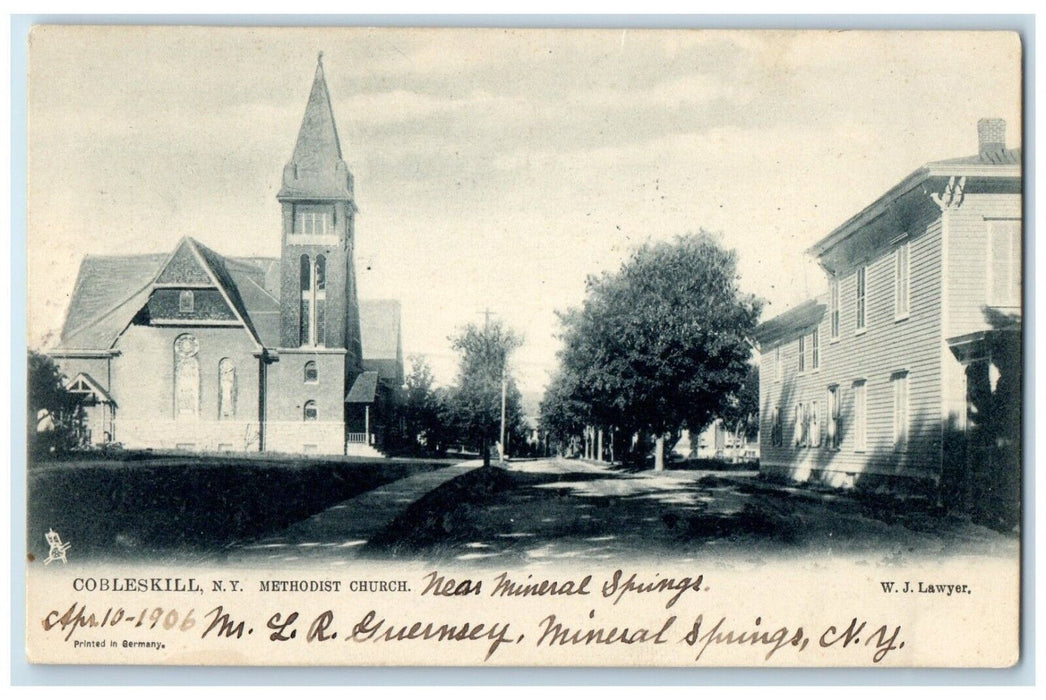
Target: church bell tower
pixel 317 276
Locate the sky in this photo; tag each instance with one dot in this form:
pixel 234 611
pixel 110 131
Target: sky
pixel 494 169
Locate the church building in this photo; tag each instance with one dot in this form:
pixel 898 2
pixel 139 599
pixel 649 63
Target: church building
pixel 198 351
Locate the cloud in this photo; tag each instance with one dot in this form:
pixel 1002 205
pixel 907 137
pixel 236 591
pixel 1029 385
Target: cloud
pixel 492 168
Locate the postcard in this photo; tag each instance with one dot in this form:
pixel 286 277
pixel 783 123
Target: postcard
pixel 524 347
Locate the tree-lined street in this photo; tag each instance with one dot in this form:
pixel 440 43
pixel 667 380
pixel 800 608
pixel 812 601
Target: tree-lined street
pixel 554 509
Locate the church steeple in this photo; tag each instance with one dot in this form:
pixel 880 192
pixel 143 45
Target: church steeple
pixel 318 307
pixel 316 169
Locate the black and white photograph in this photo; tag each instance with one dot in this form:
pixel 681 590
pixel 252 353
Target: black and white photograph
pixel 541 347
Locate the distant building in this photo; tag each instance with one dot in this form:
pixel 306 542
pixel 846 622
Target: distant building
pixel 905 373
pixel 198 351
pixel 718 441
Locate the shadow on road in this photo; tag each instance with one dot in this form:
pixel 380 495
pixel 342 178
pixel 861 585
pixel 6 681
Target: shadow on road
pixel 538 513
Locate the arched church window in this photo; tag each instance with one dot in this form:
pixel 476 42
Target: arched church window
pixel 311 374
pixel 186 377
pixel 320 303
pixel 186 301
pixel 305 318
pixel 313 283
pixel 321 272
pixel 226 389
pixel 310 411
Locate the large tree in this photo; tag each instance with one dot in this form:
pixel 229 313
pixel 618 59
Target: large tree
pixel 475 401
pixel 662 343
pixel 563 414
pixel 421 410
pixel 49 402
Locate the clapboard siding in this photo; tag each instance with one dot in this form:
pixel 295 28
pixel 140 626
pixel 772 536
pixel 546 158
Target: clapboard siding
pixel 886 346
pixel 969 256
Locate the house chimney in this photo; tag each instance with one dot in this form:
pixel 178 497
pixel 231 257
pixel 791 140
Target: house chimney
pixel 991 133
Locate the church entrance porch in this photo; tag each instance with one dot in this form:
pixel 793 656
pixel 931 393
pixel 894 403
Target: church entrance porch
pixel 99 410
pixel 359 404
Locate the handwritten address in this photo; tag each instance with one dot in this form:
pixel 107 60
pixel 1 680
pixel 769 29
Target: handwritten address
pixel 687 621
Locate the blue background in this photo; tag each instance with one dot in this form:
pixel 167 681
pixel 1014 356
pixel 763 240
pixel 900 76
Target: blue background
pixel 23 673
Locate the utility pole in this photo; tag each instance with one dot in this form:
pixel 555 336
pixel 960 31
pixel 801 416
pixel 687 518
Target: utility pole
pixel 487 313
pixel 504 391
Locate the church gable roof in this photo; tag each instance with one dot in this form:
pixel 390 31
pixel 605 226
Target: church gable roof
pixel 225 283
pixel 262 306
pixel 104 286
pixel 111 290
pixel 265 272
pixel 184 267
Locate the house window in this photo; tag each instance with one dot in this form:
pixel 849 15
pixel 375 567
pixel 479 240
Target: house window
pixel 309 413
pixel 186 377
pixel 311 375
pixel 186 301
pixel 802 353
pixel 814 421
pixel 861 297
pixel 833 417
pixel 900 409
pixel 901 280
pixel 833 308
pixel 312 220
pixel 1005 267
pixel 798 425
pixel 226 389
pixel 815 348
pixel 777 364
pixel 860 416
pixel 776 438
pixel 313 285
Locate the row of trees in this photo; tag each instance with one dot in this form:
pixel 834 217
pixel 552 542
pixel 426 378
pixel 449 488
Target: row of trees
pixel 660 345
pixel 468 414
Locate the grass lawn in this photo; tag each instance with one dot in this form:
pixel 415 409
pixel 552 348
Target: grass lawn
pixel 186 506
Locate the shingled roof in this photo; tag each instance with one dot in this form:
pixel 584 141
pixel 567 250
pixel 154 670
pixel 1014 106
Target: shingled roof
pixel 110 290
pixel 225 283
pixel 1004 156
pixel 316 169
pixel 790 323
pixel 363 389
